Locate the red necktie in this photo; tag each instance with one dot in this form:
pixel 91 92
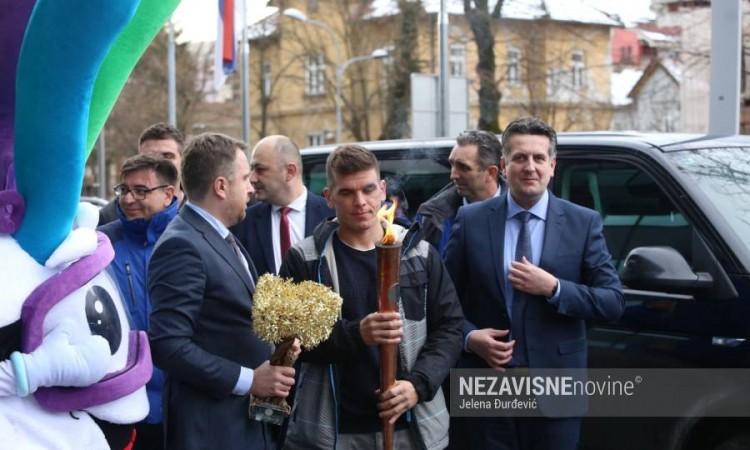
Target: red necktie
pixel 286 238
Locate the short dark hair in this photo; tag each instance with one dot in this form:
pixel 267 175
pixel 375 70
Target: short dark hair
pixel 348 159
pixel 530 125
pixel 208 156
pixel 165 171
pixel 489 148
pixel 161 131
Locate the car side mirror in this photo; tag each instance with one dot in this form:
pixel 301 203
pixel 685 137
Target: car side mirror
pixel 662 269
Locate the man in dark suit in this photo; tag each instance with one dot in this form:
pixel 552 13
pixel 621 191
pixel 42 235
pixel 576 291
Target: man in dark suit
pixel 286 212
pixel 529 269
pixel 201 284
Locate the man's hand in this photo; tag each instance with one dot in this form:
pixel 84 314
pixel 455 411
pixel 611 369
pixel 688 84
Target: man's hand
pixel 381 328
pixel 488 345
pixel 272 381
pixel 531 279
pixel 400 398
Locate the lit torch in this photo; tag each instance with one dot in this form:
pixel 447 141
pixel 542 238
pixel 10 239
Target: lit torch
pixel 388 257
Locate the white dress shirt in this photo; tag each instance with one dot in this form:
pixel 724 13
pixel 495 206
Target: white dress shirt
pixel 296 215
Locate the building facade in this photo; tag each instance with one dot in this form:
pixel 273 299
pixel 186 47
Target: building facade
pixel 552 62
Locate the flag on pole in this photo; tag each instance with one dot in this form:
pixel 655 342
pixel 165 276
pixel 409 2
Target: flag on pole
pixel 225 50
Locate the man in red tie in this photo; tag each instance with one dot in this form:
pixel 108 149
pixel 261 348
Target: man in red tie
pixel 286 211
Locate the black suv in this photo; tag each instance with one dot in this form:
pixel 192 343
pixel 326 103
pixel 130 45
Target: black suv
pixel 687 305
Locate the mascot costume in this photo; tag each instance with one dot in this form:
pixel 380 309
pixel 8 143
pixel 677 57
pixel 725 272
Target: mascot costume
pixel 71 370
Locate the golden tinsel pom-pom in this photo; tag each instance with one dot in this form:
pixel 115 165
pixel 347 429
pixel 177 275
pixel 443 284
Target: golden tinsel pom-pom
pixel 283 309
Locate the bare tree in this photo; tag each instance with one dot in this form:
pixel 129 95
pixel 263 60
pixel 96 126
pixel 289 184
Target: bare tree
pixel 481 22
pixel 143 100
pixel 399 75
pixel 347 19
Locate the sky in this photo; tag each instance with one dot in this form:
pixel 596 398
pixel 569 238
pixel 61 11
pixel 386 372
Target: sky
pixel 197 18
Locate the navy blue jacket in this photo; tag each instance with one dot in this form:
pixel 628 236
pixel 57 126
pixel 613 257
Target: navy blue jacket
pixel 202 334
pixel 254 232
pixel 574 251
pixel 133 241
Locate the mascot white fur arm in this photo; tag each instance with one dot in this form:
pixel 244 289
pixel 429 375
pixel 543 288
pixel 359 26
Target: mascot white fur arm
pixel 59 361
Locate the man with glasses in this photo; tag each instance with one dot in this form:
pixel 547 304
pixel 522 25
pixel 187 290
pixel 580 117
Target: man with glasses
pixel 145 204
pixel 158 140
pixel 475 168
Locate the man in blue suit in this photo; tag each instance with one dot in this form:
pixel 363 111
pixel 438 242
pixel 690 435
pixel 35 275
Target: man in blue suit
pixel 286 212
pixel 530 269
pixel 201 284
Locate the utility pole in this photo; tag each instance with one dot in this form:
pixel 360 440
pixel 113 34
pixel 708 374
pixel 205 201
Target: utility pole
pixel 726 47
pixel 245 78
pixel 171 76
pixel 444 76
pixel 102 165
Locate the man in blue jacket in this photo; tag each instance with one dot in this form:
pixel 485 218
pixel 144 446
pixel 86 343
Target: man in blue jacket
pixel 530 269
pixel 146 203
pixel 158 140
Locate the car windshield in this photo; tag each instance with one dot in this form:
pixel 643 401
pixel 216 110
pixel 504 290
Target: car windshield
pixel 724 175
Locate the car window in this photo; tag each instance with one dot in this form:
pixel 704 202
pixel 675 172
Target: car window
pixel 635 210
pixel 413 174
pixel 723 174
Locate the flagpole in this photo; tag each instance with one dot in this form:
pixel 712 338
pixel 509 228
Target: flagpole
pixel 245 78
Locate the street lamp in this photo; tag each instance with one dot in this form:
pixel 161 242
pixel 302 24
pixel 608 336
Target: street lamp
pixel 296 14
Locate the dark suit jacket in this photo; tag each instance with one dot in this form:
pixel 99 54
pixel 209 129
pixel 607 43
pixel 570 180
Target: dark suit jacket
pixel 254 232
pixel 201 332
pixel 574 251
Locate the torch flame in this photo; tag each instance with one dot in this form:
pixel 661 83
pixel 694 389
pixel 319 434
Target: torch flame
pixel 387 214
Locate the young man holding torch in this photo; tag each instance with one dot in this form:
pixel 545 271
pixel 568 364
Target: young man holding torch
pixel 338 400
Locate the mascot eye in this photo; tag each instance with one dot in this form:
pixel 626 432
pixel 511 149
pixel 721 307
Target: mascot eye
pixel 102 316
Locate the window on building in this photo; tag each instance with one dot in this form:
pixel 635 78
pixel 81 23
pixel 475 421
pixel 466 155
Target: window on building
pixel 316 138
pixel 553 81
pixel 513 74
pixel 577 70
pixel 458 60
pixel 315 74
pixel 265 75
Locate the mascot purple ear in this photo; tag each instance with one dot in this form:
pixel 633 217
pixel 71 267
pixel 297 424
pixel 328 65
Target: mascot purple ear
pixel 51 114
pixel 13 22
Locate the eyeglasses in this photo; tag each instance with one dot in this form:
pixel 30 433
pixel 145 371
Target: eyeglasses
pixel 139 192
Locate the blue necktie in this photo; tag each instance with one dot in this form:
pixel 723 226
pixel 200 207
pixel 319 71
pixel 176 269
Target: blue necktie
pixel 517 320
